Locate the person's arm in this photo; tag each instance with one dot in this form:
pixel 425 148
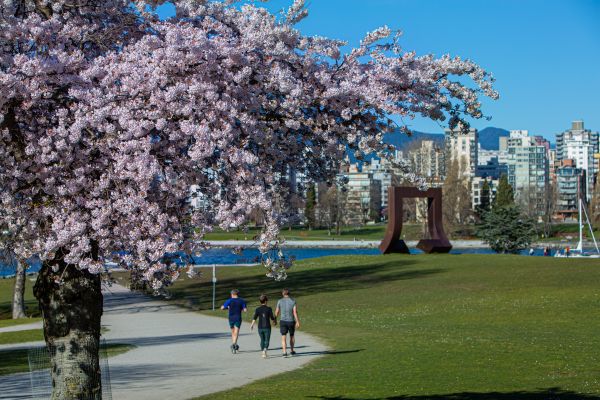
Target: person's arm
pixel 277 310
pixel 244 305
pixel 272 317
pixel 254 319
pixel 295 311
pixel 226 304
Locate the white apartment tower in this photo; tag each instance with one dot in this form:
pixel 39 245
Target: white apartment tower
pixel 580 145
pixel 463 147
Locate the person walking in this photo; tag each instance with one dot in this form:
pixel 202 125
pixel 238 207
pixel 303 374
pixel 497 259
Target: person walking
pixel 264 315
pixel 289 321
pixel 235 305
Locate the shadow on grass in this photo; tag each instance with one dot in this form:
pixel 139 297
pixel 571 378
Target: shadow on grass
pixel 308 281
pixel 326 352
pixel 544 394
pixel 31 309
pixel 12 361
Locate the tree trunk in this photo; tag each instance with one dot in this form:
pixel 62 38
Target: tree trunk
pixel 18 305
pixel 71 305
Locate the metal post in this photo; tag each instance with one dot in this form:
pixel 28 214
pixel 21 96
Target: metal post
pixel 214 281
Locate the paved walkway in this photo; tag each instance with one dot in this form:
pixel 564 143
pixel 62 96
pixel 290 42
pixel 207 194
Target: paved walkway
pixel 179 355
pixel 22 327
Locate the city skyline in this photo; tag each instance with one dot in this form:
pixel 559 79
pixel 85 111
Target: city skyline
pixel 544 54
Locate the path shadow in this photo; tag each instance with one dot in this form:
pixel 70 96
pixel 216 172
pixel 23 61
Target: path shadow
pixel 542 394
pixel 165 340
pixel 143 375
pixel 309 281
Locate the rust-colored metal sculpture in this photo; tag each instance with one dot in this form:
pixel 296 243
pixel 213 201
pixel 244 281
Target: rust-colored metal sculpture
pixel 438 243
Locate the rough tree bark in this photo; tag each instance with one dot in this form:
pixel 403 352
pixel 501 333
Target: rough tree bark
pixel 71 305
pixel 18 305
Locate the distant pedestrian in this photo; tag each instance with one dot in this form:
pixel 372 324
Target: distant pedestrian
pixel 567 251
pixel 264 315
pixel 546 251
pixel 531 251
pixel 235 305
pixel 288 322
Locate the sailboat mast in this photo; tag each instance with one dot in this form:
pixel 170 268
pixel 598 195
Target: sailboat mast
pixel 587 218
pixel 580 243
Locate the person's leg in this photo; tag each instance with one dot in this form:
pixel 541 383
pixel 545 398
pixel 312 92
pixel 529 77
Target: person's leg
pixel 283 329
pixel 232 327
pixel 234 334
pixel 283 344
pixel 292 337
pixel 267 338
pixel 262 335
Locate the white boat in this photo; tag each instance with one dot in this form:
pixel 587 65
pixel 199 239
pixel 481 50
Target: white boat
pixel 578 251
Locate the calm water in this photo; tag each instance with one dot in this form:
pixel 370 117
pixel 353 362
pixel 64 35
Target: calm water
pixel 225 256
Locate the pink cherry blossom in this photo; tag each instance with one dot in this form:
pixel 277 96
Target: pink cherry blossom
pixel 108 116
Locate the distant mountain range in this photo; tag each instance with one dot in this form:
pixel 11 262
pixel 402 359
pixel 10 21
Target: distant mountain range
pixel 488 138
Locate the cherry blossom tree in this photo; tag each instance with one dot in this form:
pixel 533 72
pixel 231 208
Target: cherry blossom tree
pixel 109 115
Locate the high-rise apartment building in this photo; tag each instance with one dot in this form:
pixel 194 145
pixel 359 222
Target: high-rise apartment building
pixel 382 171
pixel 570 182
pixel 463 148
pixel 477 191
pixel 528 171
pixel 428 160
pixel 363 199
pixel 580 144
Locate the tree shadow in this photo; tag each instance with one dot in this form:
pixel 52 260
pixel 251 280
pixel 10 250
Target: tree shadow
pixel 172 339
pixel 307 281
pixel 325 352
pixel 554 393
pixel 31 309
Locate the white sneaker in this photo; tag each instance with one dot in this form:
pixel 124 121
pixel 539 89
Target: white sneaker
pixel 264 354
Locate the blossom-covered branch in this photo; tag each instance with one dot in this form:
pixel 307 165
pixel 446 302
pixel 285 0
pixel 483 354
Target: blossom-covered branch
pixel 108 116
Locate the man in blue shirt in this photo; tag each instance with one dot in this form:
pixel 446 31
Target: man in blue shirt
pixel 235 305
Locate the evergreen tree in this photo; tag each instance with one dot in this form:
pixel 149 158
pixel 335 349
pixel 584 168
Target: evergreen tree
pixel 506 230
pixel 504 194
pixel 309 207
pixel 484 203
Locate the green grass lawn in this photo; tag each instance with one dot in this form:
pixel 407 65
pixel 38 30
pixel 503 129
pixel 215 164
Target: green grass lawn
pixel 377 232
pixel 369 232
pixel 6 295
pixel 13 361
pixel 439 327
pixel 30 335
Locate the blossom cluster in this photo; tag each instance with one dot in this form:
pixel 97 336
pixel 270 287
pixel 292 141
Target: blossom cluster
pixel 108 116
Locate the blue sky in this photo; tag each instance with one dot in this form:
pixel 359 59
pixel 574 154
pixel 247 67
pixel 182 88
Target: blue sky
pixel 545 54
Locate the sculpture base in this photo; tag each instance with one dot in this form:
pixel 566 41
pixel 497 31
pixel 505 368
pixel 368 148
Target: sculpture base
pixel 397 246
pixel 434 246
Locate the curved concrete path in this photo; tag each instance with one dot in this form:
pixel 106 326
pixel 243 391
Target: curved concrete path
pixel 180 354
pixel 22 327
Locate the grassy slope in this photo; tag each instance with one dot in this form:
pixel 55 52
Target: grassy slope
pixel 419 326
pixel 374 232
pixel 6 293
pixel 370 232
pixel 30 335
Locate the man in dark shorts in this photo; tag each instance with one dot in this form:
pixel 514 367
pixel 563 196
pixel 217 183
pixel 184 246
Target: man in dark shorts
pixel 264 316
pixel 289 321
pixel 235 305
